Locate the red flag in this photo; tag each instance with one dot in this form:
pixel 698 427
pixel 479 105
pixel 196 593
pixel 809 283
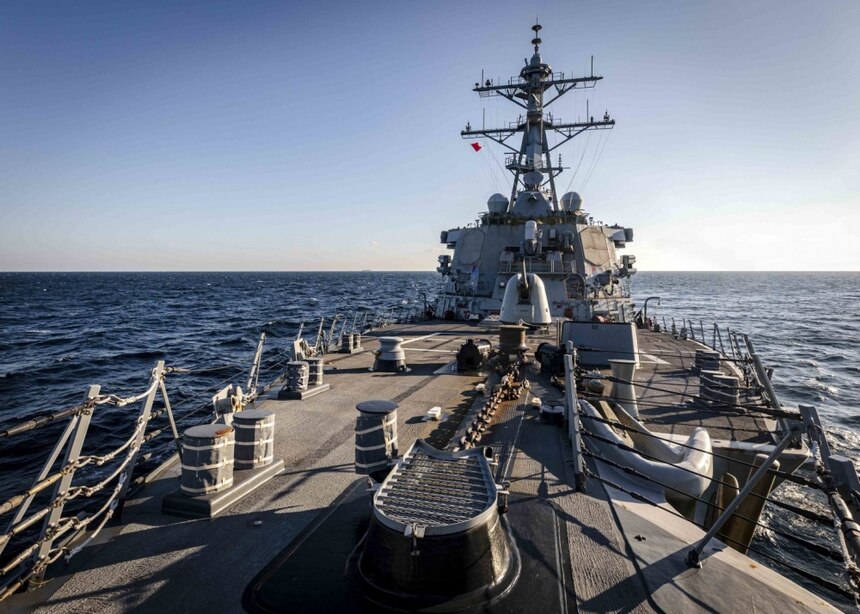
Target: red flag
pixel 476 146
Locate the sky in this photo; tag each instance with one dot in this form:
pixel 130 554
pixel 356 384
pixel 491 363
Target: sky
pixel 325 135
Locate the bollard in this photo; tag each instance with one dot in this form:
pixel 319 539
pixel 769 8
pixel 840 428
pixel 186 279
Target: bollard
pixel 375 437
pixel 707 360
pixel 315 371
pixel 207 459
pixel 255 435
pixel 297 376
pixel 347 344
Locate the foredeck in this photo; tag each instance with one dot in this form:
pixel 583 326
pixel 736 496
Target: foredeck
pixel 667 388
pixel 158 563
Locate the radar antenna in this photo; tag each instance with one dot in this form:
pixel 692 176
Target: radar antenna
pixel 536 41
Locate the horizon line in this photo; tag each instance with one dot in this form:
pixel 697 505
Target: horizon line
pixel 22 272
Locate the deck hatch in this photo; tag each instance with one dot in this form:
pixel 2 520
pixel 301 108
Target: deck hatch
pixel 443 492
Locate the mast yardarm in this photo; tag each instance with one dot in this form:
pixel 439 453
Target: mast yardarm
pixel 531 164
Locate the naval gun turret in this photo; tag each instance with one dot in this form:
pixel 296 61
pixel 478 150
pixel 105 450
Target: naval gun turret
pixel 525 300
pixel 532 238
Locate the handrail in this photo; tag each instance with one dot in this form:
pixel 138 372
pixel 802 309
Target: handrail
pixel 59 532
pixel 40 421
pixel 732 511
pixel 836 476
pixel 694 556
pixel 573 417
pixel 42 551
pixel 825 468
pixel 550 266
pixel 328 333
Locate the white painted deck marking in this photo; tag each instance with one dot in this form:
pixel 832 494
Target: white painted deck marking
pixel 429 350
pixel 450 368
pixel 420 338
pixel 653 359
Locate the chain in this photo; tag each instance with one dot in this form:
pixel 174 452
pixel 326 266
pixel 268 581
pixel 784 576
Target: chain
pixel 510 387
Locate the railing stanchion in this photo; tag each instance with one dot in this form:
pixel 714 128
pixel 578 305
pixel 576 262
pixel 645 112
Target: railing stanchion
pixel 573 418
pixel 170 419
pixel 319 338
pixel 145 411
pixel 764 382
pixel 254 375
pixel 73 451
pixel 46 469
pixel 694 556
pixel 342 332
pixel 825 463
pixel 719 337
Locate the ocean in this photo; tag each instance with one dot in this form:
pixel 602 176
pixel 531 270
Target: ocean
pixel 60 332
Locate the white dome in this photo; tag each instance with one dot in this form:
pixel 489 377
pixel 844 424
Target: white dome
pixel 497 203
pixel 571 202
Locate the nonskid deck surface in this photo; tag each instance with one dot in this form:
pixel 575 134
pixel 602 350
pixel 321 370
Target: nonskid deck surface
pixel 667 389
pixel 160 563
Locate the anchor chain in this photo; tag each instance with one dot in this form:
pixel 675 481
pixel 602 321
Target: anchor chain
pixel 510 387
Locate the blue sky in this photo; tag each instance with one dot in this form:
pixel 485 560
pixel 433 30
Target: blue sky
pixel 325 135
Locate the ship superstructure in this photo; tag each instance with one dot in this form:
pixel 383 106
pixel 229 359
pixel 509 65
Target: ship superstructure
pixel 532 230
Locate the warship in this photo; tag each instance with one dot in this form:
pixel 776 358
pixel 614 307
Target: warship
pixel 527 441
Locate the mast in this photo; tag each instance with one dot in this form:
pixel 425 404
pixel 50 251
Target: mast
pixel 530 163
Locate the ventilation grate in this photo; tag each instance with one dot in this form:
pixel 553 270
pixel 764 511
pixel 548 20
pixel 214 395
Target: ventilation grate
pixel 433 488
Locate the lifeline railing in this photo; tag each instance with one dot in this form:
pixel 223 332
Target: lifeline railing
pixel 740 351
pixel 42 552
pixel 61 535
pixel 835 476
pixel 64 535
pixel 550 266
pixel 332 328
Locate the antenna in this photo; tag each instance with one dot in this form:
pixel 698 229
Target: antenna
pixel 531 161
pixel 536 41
